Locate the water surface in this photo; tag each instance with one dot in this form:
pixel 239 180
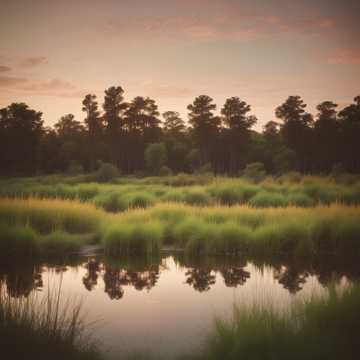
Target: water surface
pixel 166 306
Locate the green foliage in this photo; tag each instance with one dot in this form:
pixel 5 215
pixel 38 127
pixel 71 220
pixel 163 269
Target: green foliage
pixel 106 173
pixel 31 328
pixel 268 199
pixel 325 327
pixel 133 238
pixel 255 172
pixel 75 168
pixel 155 157
pixel 165 171
pixel 197 197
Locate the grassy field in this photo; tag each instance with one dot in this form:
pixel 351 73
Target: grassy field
pixel 33 226
pixel 202 190
pixel 321 328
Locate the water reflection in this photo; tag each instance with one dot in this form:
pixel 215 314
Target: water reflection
pixel 201 274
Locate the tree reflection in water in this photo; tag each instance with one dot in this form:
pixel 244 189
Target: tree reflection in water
pixel 91 277
pixel 22 280
pixel 138 273
pixel 200 279
pixel 234 276
pixel 291 278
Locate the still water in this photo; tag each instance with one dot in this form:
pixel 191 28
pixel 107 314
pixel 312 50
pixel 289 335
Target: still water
pixel 166 306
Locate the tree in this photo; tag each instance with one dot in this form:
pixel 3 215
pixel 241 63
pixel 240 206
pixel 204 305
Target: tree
pixel 326 135
pixel 176 141
pixel 21 129
pixel 71 134
pixel 237 130
pixel 114 107
pixel 349 119
pixel 296 129
pixel 174 125
pixel 155 157
pixel 142 126
pixel 94 126
pixel 204 126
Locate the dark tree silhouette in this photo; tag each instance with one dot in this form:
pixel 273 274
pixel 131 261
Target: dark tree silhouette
pixel 225 144
pixel 94 127
pixel 71 134
pixel 114 107
pixel 237 126
pixel 350 134
pixel 296 129
pixel 20 134
pixel 204 126
pixel 326 136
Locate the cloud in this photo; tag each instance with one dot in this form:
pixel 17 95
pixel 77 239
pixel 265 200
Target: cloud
pixel 35 87
pixel 33 61
pixel 4 68
pixel 347 56
pixel 165 91
pixel 207 21
pixel 11 82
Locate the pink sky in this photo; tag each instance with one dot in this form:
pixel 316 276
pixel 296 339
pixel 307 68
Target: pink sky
pixel 54 53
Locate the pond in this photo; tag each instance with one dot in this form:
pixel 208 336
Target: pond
pixel 166 306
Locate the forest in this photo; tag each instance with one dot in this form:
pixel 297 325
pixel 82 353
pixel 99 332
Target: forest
pixel 137 140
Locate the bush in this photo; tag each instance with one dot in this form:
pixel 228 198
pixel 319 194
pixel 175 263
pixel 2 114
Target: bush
pixel 106 172
pixel 155 157
pixel 111 202
pixel 197 197
pixel 75 168
pixel 255 172
pixel 165 171
pixel 139 200
pixel 267 199
pixel 300 199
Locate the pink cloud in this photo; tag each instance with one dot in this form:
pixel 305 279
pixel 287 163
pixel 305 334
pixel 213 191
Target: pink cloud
pixel 226 24
pixel 33 61
pixel 4 68
pixel 10 82
pixel 350 56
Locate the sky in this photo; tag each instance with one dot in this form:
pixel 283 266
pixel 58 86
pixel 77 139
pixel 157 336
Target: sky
pixel 53 53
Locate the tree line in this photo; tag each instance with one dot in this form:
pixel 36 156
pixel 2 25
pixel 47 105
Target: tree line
pixel 136 139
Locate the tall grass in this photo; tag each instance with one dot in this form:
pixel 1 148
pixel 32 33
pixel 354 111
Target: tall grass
pixel 319 328
pixel 130 193
pixel 67 225
pixel 47 328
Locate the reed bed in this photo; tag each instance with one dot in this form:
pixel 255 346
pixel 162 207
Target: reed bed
pixel 44 328
pixel 321 328
pixel 217 229
pixel 302 191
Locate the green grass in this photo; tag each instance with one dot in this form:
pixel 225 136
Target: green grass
pixel 50 328
pixel 35 226
pixel 196 190
pixel 321 328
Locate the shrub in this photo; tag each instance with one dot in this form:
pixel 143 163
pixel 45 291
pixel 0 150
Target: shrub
pixel 165 171
pixel 267 199
pixel 19 241
pixel 300 199
pixel 255 172
pixel 155 157
pixel 75 168
pixel 111 202
pixel 139 200
pixel 106 172
pixel 197 197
